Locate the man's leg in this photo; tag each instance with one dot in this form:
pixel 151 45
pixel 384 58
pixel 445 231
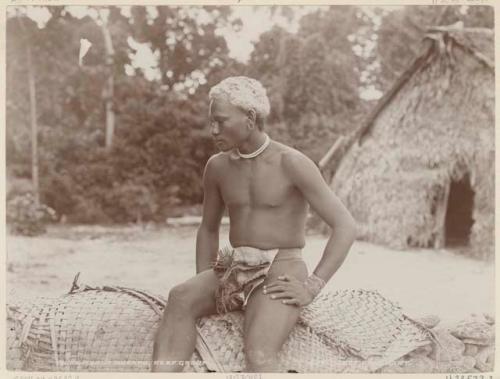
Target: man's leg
pixel 268 322
pixel 176 337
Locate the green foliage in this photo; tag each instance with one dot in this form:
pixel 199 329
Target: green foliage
pixel 185 44
pixel 157 153
pixel 27 218
pixel 135 201
pixel 155 156
pixel 312 78
pixel 160 147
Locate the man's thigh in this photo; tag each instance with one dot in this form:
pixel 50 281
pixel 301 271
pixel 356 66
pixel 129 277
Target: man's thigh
pixel 268 322
pixel 197 293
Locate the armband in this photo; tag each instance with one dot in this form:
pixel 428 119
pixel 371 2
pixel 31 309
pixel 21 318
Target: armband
pixel 314 284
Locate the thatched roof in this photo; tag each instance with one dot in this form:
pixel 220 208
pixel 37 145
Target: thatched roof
pixel 475 41
pixel 435 126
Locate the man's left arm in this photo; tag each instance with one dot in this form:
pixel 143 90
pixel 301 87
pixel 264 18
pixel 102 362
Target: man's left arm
pixel 308 179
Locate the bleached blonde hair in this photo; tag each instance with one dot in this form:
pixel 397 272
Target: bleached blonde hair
pixel 245 93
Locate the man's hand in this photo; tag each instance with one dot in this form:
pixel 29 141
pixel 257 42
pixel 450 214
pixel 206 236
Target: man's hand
pixel 291 290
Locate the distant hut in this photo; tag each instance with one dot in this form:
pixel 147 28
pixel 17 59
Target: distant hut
pixel 420 171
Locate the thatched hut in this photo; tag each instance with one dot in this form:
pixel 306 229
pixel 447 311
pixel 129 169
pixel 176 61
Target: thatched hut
pixel 420 171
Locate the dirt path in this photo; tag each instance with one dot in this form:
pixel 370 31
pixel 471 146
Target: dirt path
pixel 421 281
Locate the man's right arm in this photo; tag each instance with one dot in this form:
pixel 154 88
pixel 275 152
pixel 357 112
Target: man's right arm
pixel 207 238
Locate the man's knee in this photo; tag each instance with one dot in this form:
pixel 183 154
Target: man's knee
pixel 179 308
pixel 181 298
pixel 260 359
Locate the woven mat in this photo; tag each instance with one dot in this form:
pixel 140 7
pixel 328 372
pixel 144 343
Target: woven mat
pixel 344 331
pixel 112 329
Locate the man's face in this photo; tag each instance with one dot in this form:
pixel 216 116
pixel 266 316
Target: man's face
pixel 228 124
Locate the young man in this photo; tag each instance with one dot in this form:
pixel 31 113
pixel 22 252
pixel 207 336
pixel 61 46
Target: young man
pixel 267 188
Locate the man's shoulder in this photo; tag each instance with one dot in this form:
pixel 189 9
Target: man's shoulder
pixel 296 164
pixel 217 158
pixel 216 162
pixel 291 157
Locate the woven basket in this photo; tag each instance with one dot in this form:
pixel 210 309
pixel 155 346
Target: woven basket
pixel 112 329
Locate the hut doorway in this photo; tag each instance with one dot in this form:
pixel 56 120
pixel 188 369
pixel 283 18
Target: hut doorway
pixel 458 220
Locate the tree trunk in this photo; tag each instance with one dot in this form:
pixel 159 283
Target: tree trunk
pixel 109 86
pixel 34 127
pixel 33 115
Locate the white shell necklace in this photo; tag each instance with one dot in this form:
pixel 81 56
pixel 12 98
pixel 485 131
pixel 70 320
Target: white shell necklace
pixel 256 152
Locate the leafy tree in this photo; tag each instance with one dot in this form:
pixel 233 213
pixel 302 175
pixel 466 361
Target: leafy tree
pixel 160 142
pixel 312 78
pixel 157 151
pixel 185 45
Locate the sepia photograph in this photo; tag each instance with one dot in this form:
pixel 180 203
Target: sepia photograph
pixel 250 188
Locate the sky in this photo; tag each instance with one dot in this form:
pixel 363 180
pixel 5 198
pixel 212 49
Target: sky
pixel 255 21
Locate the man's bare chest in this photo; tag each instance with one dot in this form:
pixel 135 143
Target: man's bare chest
pixel 262 185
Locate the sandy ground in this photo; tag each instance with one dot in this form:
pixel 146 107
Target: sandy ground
pixel 421 281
